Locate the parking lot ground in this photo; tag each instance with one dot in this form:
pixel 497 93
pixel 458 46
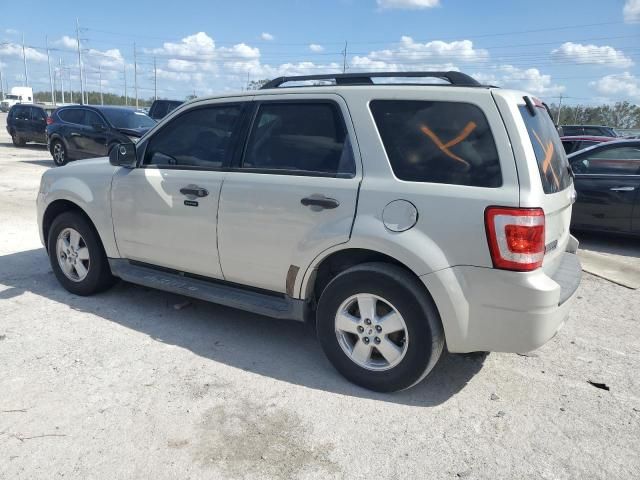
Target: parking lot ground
pixel 124 385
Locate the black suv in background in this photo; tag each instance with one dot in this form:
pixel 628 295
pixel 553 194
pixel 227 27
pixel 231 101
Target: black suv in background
pixel 27 123
pixel 589 130
pixel 161 108
pixel 86 131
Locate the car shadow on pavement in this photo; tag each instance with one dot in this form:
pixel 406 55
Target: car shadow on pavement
pixel 41 163
pixel 28 146
pixel 283 350
pixel 609 243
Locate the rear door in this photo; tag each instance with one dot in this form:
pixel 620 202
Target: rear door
pixel 293 193
pixel 21 119
pixel 607 184
pixel 38 124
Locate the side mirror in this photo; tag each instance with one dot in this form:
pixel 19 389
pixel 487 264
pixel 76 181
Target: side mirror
pixel 123 155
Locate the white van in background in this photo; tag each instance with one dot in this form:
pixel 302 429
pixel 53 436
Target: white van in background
pixel 17 95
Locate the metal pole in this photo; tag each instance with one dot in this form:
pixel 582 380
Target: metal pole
pixel 24 58
pixel 53 96
pixel 135 72
pixel 62 79
pixel 1 87
pixel 559 110
pixel 70 87
pixel 79 61
pixel 126 98
pixel 344 58
pixel 100 74
pixel 155 80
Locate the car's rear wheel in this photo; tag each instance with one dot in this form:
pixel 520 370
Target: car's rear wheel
pixel 59 153
pixel 17 140
pixel 379 327
pixel 76 255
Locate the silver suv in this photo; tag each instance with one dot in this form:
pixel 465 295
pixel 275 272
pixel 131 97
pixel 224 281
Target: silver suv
pixel 396 217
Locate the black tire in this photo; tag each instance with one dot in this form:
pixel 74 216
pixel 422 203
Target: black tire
pixel 99 276
pixel 59 153
pixel 17 140
pixel 404 292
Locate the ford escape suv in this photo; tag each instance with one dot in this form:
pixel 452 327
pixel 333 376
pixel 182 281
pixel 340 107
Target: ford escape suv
pixel 397 217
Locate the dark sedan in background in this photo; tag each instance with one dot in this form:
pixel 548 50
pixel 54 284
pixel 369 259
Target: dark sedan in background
pixel 86 131
pixel 607 181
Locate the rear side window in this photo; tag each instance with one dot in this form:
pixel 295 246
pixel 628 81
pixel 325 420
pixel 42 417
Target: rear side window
pixel 304 138
pixel 72 115
pixel 438 142
pixel 552 161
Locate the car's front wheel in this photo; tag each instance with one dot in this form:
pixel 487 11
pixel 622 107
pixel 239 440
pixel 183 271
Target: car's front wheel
pixel 59 153
pixel 77 256
pixel 379 328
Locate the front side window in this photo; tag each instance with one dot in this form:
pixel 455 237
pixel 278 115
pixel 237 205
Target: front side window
pixel 438 142
pixel 200 138
pixel 552 161
pixel 304 138
pixel 92 118
pixel 610 161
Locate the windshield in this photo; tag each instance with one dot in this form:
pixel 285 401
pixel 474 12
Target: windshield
pixel 123 118
pixel 13 97
pixel 550 156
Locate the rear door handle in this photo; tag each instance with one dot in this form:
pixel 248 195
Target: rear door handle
pixel 194 190
pixel 622 189
pixel 320 201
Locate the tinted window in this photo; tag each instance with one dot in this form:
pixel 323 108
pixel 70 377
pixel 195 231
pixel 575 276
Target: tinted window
pixel 610 161
pixel 72 115
pixel 92 118
pixel 125 118
pixel 438 142
pixel 571 131
pixel 550 156
pixel 300 137
pixel 38 114
pixel 569 146
pixel 595 131
pixel 586 144
pixel 21 113
pixel 198 138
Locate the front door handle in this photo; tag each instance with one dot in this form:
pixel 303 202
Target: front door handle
pixel 194 190
pixel 320 201
pixel 622 189
pixel 74 134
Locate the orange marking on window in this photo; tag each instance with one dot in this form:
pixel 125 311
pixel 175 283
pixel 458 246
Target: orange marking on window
pixel 444 147
pixel 548 155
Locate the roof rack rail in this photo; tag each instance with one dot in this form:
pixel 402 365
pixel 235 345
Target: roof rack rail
pixel 455 78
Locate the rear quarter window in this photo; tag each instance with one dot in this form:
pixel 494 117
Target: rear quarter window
pixel 438 142
pixel 550 157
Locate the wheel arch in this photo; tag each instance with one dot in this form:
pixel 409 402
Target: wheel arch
pixel 58 207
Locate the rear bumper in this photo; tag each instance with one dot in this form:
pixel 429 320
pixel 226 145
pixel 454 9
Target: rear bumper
pixel 485 309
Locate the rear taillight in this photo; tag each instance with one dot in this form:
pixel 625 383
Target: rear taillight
pixel 516 237
pixel 49 120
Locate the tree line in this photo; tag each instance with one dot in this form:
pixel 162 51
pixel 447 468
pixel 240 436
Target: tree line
pixel 619 115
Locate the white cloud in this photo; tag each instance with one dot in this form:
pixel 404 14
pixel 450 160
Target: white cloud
pixel 623 85
pixel 631 11
pixel 530 80
pixel 314 47
pixel 67 42
pixel 411 55
pixel 408 4
pixel 11 31
pixel 591 54
pixel 267 36
pixel 15 50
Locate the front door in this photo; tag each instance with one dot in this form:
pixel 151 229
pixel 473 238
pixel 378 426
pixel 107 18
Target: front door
pixel 607 181
pixel 165 211
pixel 94 135
pixel 292 195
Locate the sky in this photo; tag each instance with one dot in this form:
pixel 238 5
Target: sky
pixel 587 51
